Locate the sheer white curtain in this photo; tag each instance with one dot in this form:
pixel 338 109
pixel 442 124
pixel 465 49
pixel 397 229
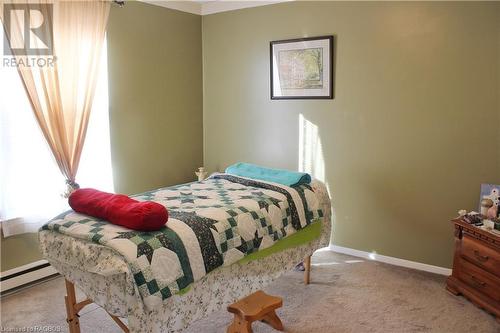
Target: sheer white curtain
pixel 30 181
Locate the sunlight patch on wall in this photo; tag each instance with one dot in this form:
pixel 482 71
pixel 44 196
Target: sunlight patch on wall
pixel 311 158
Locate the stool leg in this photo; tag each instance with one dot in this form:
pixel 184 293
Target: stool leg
pixel 273 320
pixel 240 325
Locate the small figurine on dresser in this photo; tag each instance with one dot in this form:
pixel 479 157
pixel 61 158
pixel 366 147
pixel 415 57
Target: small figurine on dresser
pixel 486 204
pixel 490 191
pixel 488 217
pixel 201 173
pixel 490 200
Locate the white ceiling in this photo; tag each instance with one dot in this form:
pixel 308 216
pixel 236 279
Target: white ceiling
pixel 206 7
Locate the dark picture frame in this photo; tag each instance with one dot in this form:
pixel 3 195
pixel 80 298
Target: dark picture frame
pixel 302 68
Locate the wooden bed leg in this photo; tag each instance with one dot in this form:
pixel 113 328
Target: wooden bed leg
pixel 73 307
pixel 307 270
pixel 119 323
pixel 72 313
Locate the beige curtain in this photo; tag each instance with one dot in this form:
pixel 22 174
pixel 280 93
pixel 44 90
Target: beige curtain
pixel 61 92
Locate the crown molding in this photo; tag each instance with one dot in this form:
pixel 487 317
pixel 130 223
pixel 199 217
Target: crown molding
pixel 207 7
pixel 213 7
pixel 192 7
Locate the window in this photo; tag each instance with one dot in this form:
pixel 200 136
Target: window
pixel 30 181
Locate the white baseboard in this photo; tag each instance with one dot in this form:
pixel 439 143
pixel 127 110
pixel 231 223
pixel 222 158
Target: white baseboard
pixel 391 260
pixel 25 274
pixel 9 282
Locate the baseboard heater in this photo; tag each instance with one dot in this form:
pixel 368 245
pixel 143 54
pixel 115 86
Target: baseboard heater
pixel 26 274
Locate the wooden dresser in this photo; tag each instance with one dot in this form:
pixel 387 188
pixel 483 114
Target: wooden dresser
pixel 476 267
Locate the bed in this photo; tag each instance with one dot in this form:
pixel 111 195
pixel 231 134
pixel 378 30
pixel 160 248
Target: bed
pixel 234 236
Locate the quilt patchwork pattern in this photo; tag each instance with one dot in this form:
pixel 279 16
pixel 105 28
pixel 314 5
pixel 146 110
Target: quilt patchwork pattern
pixel 211 223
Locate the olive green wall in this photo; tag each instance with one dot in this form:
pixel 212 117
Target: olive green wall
pixel 411 134
pixel 155 92
pixel 155 99
pixel 19 250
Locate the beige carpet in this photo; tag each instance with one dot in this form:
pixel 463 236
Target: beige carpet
pixel 347 294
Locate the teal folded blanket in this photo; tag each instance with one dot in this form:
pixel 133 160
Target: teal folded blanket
pixel 285 177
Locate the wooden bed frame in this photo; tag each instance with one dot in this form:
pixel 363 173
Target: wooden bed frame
pixel 73 307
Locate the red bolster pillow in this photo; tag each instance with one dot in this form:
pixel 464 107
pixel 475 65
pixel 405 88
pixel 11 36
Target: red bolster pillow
pixel 119 209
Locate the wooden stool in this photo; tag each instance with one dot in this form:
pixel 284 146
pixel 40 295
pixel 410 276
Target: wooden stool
pixel 257 306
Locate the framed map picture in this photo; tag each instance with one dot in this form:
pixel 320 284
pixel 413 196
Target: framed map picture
pixel 302 68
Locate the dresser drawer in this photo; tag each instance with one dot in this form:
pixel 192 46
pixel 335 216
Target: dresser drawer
pixel 481 254
pixel 480 280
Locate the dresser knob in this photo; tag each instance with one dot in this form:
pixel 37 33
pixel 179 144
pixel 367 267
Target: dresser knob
pixel 477 281
pixel 480 257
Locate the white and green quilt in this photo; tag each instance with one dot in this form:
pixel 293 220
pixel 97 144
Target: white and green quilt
pixel 211 223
